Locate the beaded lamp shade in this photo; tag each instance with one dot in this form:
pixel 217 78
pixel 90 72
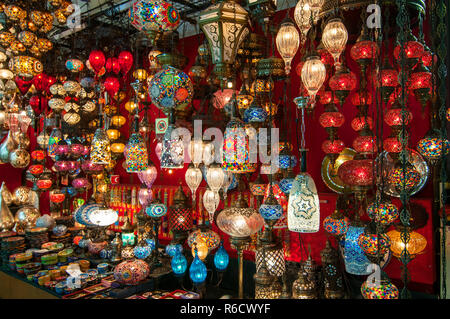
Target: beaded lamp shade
pixel 136 155
pixel 336 224
pixel 379 289
pixel 384 213
pixel 100 148
pixel 156 209
pixel 210 237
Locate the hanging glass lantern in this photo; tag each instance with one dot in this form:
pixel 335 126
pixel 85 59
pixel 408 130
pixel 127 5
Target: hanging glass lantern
pixel 148 176
pixel 433 147
pixel 334 38
pixel 342 82
pixel 356 262
pixel 172 152
pixel 100 148
pixel 215 177
pixel 196 151
pixel 303 206
pixel 374 245
pixel 222 97
pixel 415 245
pixel 225 27
pixel 313 75
pixel 193 179
pixel 272 255
pixel 135 152
pixel 336 224
pixel 211 201
pixel 288 41
pixel 384 213
pixel 179 264
pixel 302 15
pixel 180 217
pixel 420 83
pixel 236 152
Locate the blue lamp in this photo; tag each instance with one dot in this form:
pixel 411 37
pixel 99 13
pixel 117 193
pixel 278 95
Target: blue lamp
pixel 179 264
pixel 198 270
pixel 221 258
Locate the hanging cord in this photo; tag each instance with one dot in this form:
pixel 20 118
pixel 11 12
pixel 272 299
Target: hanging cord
pixel 442 94
pixel 403 25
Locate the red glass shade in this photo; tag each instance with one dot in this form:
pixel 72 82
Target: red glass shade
pixel 427 58
pixel 361 99
pixel 333 147
pixel 97 60
pixel 57 197
pixel 40 82
pixel 356 172
pixel 420 79
pixel 80 182
pixel 62 166
pixel 331 119
pixel 38 155
pixel 180 219
pixel 36 169
pixel 392 145
pixel 112 65
pixel 345 81
pixel 393 117
pixel 35 101
pixel 62 149
pixel 112 85
pixel 76 149
pixel 326 97
pixel 125 61
pixel 389 77
pixel 412 49
pixel 364 50
pixel 365 144
pixel 44 184
pixel 359 122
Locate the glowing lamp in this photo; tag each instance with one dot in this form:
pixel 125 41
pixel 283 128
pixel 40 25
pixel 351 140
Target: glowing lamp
pixel 97 60
pixel 334 38
pixel 415 245
pixel 288 41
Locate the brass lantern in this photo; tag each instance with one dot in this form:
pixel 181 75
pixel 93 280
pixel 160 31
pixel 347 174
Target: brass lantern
pixel 225 26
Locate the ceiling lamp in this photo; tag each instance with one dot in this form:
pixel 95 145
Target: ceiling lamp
pixel 313 75
pixel 433 147
pixel 148 175
pixel 288 41
pixel 302 15
pixel 336 224
pixel 136 156
pixel 364 51
pixel 100 147
pixel 196 151
pixel 153 17
pixel 225 25
pixel 420 83
pixel 214 177
pixel 334 38
pixel 342 82
pixel 384 213
pixel 172 151
pixel 211 201
pixel 193 179
pixel 415 245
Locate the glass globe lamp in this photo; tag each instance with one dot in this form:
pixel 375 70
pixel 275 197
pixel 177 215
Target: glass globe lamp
pixel 179 264
pixel 313 75
pixel 336 224
pixel 382 288
pixel 221 258
pixel 197 270
pixel 384 213
pixel 334 38
pixel 193 177
pixel 288 41
pixel 215 176
pixel 415 245
pixel 356 262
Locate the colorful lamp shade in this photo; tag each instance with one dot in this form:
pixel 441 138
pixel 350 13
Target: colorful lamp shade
pixel 142 251
pixel 225 25
pixel 382 288
pixel 313 75
pixel 156 209
pixel 356 262
pixel 153 17
pixel 271 209
pixel 374 244
pixel 100 148
pixel 336 224
pixel 239 220
pixel 303 207
pixel 433 147
pixel 197 270
pixel 384 213
pixel 334 38
pixel 221 258
pixel 200 249
pixel 135 153
pixel 173 249
pixel 255 114
pixel 208 236
pixel 415 245
pixel 236 152
pixel 179 264
pixel 170 88
pixel 333 147
pixel 288 41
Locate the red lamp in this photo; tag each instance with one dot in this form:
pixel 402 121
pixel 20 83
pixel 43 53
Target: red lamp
pixel 365 144
pixel 38 155
pixel 326 97
pixel 359 122
pixel 361 98
pixel 97 60
pixel 412 49
pixel 364 50
pixel 125 61
pixel 357 172
pixel 342 83
pixel 112 85
pixel 392 145
pixel 420 83
pixel 40 82
pixel 333 147
pixel 389 80
pixel 326 57
pixel 331 119
pixel 112 65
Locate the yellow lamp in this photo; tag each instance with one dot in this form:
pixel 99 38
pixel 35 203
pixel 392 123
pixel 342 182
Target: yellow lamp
pixel 113 134
pixel 416 244
pixel 118 120
pixel 117 147
pixel 202 249
pixel 130 106
pixel 140 74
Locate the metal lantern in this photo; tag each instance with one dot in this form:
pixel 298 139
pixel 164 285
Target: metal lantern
pixel 180 217
pixel 288 41
pixel 334 38
pixel 225 25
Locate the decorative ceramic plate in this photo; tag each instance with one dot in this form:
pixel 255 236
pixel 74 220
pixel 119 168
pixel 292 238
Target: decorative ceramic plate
pixel 329 172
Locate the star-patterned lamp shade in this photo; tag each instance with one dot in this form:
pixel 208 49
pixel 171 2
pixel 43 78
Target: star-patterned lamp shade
pixel 303 206
pixel 356 262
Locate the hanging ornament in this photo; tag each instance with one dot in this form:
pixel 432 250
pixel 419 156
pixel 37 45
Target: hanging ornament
pixel 288 41
pixel 334 38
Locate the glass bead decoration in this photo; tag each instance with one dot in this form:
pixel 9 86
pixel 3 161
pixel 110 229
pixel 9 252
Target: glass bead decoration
pixel 135 153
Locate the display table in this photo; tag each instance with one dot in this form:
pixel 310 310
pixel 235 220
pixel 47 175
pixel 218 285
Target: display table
pixel 13 286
